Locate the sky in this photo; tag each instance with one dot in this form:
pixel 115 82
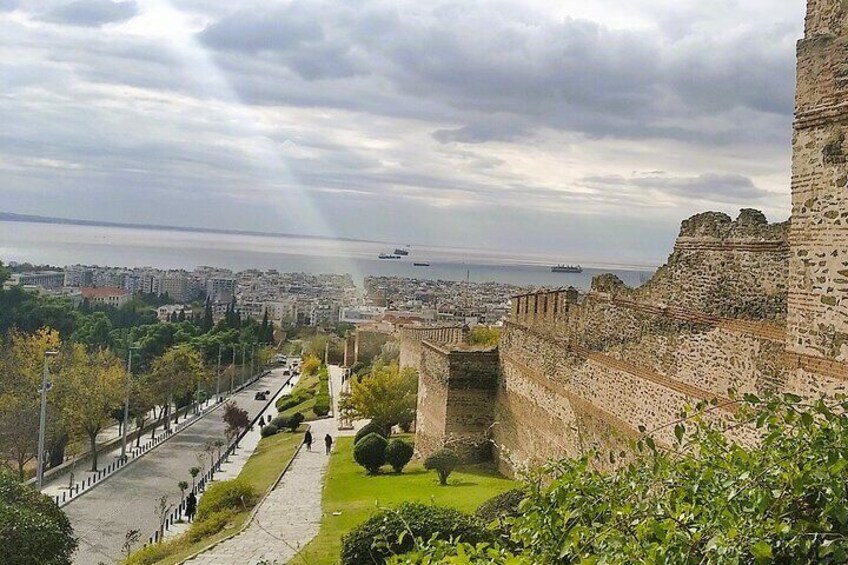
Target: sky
pixel 577 128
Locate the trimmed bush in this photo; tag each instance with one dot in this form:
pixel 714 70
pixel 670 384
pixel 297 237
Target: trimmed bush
pixel 281 422
pixel 371 427
pixel 269 430
pixel 381 535
pixel 322 405
pixel 235 494
pixel 504 505
pixel 370 452
pixel 444 461
pixel 398 454
pixel 295 421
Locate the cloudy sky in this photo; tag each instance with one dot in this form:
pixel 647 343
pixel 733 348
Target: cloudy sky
pixel 582 128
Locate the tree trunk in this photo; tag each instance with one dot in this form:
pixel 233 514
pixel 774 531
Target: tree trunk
pixel 167 410
pixel 57 451
pixel 92 438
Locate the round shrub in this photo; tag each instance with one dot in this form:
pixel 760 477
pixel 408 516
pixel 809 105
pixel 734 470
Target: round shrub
pixel 233 494
pixel 269 430
pixel 398 454
pixel 280 422
pixel 370 452
pixel 444 461
pixel 503 505
pixel 371 427
pixel 295 421
pixel 380 536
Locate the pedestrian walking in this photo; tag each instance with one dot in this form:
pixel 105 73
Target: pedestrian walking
pixel 328 443
pixel 191 506
pixel 307 439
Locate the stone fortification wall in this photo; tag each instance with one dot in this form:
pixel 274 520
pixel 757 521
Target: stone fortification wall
pixel 456 392
pixel 369 344
pixel 587 370
pixel 817 340
pixel 411 339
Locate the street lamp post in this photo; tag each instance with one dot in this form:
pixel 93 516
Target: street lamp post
pixel 42 425
pixel 218 387
pixel 233 371
pixel 252 353
pixel 243 356
pixel 127 404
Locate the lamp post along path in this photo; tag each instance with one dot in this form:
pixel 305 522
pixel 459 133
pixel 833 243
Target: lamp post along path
pixel 42 425
pixel 127 404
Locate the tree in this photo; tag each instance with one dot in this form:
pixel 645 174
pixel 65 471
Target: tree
pixel 398 454
pixel 388 395
pixel 370 453
pixel 33 530
pixel 4 273
pixel 484 336
pixel 294 422
pixel 175 374
pixel 95 384
pixel 310 365
pixel 236 419
pixel 21 366
pixel 194 471
pixel 444 461
pixel 183 486
pixel 207 323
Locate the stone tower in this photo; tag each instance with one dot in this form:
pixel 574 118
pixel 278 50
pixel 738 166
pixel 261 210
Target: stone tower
pixel 817 321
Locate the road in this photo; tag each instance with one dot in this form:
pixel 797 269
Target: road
pixel 127 500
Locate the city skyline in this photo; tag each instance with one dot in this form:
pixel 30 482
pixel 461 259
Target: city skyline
pixel 521 126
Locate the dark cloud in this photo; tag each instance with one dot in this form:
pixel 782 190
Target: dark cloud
pixel 91 13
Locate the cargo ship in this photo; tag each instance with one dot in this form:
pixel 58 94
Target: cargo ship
pixel 567 269
pixel 388 256
pixel 421 264
pixel 403 252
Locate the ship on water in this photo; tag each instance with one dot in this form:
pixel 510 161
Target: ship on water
pixel 566 269
pixel 421 264
pixel 402 252
pixel 388 256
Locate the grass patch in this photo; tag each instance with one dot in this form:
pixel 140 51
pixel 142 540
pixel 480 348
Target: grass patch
pixel 260 471
pixel 356 496
pixel 305 389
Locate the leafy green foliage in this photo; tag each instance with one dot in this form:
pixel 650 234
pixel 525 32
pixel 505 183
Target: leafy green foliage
pixel 398 454
pixel 781 497
pixel 370 453
pixel 294 422
pixel 235 494
pixel 33 530
pixel 371 427
pixel 269 430
pixel 444 461
pixel 394 531
pixel 387 394
pixel 484 336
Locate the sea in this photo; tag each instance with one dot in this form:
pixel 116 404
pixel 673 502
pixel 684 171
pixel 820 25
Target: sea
pixel 65 244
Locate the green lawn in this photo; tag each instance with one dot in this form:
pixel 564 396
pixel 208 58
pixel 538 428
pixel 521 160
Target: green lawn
pixel 261 471
pixel 355 496
pixel 307 386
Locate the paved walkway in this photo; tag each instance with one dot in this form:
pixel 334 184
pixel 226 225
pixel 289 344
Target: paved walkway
pixel 290 516
pixel 128 499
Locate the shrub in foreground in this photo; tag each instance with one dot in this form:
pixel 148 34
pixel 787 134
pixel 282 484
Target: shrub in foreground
pixel 370 453
pixel 398 454
pixel 322 405
pixel 703 498
pixel 280 422
pixel 210 525
pixel 444 461
pixel 394 531
pixel 234 494
pixel 33 530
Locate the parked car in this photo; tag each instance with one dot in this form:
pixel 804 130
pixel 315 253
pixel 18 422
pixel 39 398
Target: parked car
pixel 260 395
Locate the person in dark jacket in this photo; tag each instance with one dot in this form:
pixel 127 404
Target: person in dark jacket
pixel 191 506
pixel 328 443
pixel 307 439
